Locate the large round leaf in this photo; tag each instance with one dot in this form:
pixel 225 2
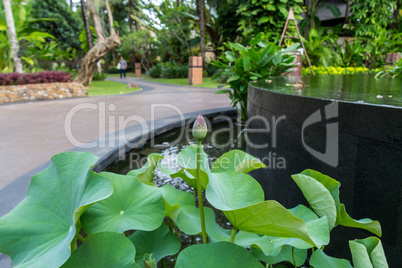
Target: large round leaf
pixel 232 190
pixel 319 197
pixel 221 254
pixel 368 253
pixel 236 160
pixel 320 259
pixel 133 205
pixel 38 232
pixel 103 250
pixel 160 243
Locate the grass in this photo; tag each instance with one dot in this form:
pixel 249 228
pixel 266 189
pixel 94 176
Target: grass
pixel 206 82
pixel 99 88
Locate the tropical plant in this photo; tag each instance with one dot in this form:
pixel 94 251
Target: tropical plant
pixel 168 70
pixel 392 71
pixel 352 54
pixel 266 16
pixel 25 33
pixel 311 19
pixel 320 48
pixel 68 202
pixel 13 35
pixel 242 65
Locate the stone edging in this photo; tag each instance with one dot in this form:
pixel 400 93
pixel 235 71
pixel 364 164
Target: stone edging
pixel 47 91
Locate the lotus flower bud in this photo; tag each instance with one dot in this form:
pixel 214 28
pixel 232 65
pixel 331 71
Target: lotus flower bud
pixel 200 128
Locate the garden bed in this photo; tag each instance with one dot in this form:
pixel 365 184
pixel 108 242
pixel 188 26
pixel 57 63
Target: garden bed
pixel 48 91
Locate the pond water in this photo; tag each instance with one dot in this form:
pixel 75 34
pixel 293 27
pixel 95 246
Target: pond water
pixel 218 141
pixel 363 88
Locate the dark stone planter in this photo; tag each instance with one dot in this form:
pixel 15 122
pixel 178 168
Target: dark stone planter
pixel 369 166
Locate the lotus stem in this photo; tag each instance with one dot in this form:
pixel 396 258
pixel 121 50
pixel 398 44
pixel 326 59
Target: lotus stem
pixel 199 191
pixel 232 236
pixel 293 256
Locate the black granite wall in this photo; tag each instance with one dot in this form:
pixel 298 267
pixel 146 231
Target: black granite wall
pixel 369 166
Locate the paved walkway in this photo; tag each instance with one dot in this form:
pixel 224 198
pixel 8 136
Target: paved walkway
pixel 30 133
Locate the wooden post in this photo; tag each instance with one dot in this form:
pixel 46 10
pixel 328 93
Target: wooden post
pixel 195 70
pixel 138 70
pixel 291 16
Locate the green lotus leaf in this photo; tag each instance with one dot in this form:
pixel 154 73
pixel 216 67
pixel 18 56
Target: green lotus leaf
pixel 146 173
pixel 367 224
pixel 320 259
pixel 133 205
pixel 285 254
pixel 246 239
pixel 221 254
pixel 159 243
pixel 187 159
pixel 331 184
pixel 368 253
pixel 269 218
pixel 175 200
pixel 237 160
pixel 319 197
pixel 38 231
pixel 232 190
pixel 103 250
pixel 189 176
pixel 180 207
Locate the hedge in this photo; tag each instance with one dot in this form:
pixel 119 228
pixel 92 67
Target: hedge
pixel 34 78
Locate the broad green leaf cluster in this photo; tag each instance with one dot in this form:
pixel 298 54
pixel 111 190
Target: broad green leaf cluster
pixel 74 217
pixel 244 64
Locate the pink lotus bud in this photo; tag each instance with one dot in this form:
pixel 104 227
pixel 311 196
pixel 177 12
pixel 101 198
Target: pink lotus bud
pixel 200 128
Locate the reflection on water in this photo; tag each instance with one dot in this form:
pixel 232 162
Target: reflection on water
pixel 363 88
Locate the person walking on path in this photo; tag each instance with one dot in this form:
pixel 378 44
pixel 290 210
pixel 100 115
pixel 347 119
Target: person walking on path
pixel 123 67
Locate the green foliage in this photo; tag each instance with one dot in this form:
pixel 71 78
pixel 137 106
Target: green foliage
pixel 368 17
pixel 168 70
pixel 266 16
pixel 242 65
pixel 142 44
pixel 67 201
pixel 338 70
pixel 65 25
pixel 25 33
pixel 99 76
pixel 320 48
pixel 392 71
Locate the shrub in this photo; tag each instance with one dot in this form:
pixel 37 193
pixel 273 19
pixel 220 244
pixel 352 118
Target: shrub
pixel 34 78
pixel 99 76
pixel 168 70
pixel 338 70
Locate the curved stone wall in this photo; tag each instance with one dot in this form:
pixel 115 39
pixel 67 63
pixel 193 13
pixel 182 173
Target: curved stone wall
pixel 363 152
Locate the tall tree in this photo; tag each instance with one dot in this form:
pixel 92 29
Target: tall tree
pixel 13 35
pixel 86 25
pixel 101 48
pixel 200 4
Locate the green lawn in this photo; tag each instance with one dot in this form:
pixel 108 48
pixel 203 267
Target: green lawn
pixel 206 81
pixel 175 81
pixel 99 88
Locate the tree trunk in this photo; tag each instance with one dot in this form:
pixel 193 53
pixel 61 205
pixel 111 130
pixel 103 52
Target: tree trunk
pixel 13 35
pixel 86 25
pixel 130 19
pixel 398 6
pixel 71 4
pixel 200 4
pixel 347 11
pixel 102 47
pixel 178 3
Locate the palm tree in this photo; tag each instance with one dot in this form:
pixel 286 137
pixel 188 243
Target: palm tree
pixel 13 35
pixel 200 4
pixel 86 25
